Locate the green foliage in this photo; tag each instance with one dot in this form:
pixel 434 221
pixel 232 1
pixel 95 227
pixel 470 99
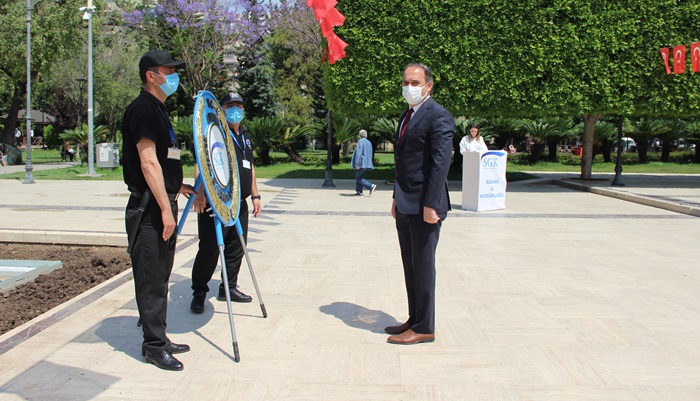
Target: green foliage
pixel 55 30
pixel 265 133
pixel 51 137
pixel 386 128
pixel 517 59
pixel 294 49
pixel 183 129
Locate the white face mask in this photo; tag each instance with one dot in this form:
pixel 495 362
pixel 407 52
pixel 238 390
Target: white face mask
pixel 413 94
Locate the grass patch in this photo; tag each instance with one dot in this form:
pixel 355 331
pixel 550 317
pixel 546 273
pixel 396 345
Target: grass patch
pixel 315 168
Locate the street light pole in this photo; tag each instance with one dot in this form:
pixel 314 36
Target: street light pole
pixel 29 178
pixel 617 182
pixel 81 86
pixel 91 146
pixel 329 153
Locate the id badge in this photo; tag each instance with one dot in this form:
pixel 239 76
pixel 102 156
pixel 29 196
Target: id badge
pixel 246 164
pixel 174 153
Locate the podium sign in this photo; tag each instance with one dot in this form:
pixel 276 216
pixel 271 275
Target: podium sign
pixel 484 180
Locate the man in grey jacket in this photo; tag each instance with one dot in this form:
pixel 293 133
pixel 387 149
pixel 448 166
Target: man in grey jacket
pixel 362 161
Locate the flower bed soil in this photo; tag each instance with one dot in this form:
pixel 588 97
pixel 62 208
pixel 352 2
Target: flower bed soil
pixel 83 268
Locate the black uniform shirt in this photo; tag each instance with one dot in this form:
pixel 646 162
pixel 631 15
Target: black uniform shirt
pixel 147 118
pixel 246 174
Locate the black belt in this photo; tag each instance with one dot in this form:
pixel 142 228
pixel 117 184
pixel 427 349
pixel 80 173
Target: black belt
pixel 171 197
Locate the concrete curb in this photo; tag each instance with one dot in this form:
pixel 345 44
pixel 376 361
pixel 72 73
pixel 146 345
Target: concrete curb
pixel 640 199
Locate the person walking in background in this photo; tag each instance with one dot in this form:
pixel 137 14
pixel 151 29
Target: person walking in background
pixel 423 151
pixel 153 175
pixel 208 254
pixel 362 162
pixel 473 141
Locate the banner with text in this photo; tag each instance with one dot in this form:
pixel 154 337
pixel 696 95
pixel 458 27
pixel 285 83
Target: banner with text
pixel 484 180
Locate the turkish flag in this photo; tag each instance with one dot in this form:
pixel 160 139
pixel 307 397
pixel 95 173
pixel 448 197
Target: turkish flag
pixel 326 28
pixel 664 55
pixel 695 56
pixel 679 59
pixel 336 49
pixel 335 17
pixel 321 7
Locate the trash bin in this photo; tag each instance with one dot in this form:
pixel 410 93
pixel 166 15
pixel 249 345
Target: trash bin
pixel 107 155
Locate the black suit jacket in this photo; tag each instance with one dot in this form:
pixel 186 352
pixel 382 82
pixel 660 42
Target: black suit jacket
pixel 423 159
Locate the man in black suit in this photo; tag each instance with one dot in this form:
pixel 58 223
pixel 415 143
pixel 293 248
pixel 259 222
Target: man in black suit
pixel 422 152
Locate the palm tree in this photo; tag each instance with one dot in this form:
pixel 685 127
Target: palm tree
pixel 674 129
pixel 502 129
pixel 344 130
pixel 386 128
pixel 605 135
pixel 184 130
pixel 642 131
pixel 79 139
pixel 549 131
pixel 692 134
pixel 265 133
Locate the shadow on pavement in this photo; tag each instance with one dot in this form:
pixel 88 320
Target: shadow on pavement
pixel 360 317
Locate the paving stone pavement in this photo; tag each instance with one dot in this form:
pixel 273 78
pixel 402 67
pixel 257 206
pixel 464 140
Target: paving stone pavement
pixel 563 295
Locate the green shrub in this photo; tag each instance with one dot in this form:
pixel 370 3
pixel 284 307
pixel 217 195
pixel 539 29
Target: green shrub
pixel 52 138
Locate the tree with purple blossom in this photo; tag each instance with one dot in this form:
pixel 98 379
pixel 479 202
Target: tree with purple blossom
pixel 215 38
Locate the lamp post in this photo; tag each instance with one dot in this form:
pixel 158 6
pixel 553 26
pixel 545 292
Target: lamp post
pixel 29 177
pixel 329 155
pixel 81 86
pixel 617 182
pixel 87 16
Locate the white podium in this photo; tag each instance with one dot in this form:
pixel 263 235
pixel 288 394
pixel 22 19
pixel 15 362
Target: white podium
pixel 484 180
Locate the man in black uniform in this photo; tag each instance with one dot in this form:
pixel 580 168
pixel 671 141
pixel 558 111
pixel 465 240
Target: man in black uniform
pixel 208 254
pixel 153 174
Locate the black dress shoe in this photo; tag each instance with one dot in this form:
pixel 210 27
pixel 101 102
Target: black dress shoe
pixel 164 360
pixel 197 305
pixel 178 348
pixel 236 296
pixel 172 347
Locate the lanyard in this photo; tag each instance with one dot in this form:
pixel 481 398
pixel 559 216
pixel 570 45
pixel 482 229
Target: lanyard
pixel 171 131
pixel 242 148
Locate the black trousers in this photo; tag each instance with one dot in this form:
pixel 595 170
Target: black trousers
pixel 208 254
pixel 418 241
pixel 151 262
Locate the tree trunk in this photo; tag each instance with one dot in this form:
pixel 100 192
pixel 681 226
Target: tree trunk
pixel 552 149
pixel 697 153
pixel 457 159
pixel 293 154
pixel 606 151
pixel 336 153
pixel 264 155
pixel 537 150
pixel 643 151
pixel 589 121
pixel 8 133
pixel 665 150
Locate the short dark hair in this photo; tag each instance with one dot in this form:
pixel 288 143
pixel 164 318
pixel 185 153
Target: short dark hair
pixel 142 73
pixel 428 73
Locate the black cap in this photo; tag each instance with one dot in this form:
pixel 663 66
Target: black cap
pixel 232 97
pixel 157 58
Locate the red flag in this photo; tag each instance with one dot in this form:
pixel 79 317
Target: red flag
pixel 326 28
pixel 335 17
pixel 679 59
pixel 321 7
pixel 328 17
pixel 664 55
pixel 695 56
pixel 336 49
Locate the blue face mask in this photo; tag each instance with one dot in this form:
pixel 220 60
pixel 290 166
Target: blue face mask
pixel 172 81
pixel 234 114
